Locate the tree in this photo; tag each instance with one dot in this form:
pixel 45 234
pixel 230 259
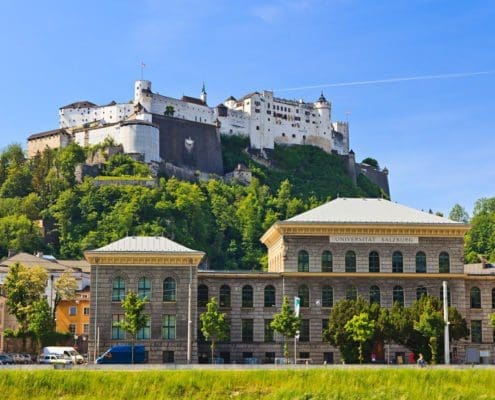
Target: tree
pixel 169 111
pixel 286 323
pixel 370 161
pixel 134 319
pixel 430 325
pixel 41 322
pixel 492 319
pixel 459 214
pixel 361 329
pixel 65 289
pixel 24 287
pixel 213 325
pixel 337 335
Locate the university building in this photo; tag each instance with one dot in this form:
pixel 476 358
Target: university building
pixel 373 248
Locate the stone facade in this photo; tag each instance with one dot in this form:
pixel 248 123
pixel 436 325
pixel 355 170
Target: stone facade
pixel 412 253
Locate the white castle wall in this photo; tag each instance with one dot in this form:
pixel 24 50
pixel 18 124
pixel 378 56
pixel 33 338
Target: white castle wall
pixel 70 117
pixel 134 138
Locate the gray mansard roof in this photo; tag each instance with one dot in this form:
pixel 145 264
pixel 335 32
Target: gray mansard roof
pixel 145 244
pixel 368 211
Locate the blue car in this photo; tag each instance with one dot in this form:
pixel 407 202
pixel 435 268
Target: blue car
pixel 121 354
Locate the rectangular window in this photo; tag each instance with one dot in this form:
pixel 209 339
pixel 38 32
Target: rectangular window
pixel 72 310
pixel 168 357
pixel 86 329
pixel 476 336
pixel 268 331
pixel 117 331
pixel 247 330
pixel 145 333
pixel 86 311
pixel 168 328
pixel 304 331
pixel 72 328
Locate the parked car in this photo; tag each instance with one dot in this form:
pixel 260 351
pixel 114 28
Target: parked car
pixel 27 358
pixel 6 359
pixel 53 359
pixel 18 358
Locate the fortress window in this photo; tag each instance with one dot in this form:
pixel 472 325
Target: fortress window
pixel 283 134
pixel 293 135
pixel 375 295
pixel 444 263
pixel 475 297
pixel 303 261
pixel 225 296
pixel 350 261
pixel 420 262
pixel 398 295
pixel 257 128
pixel 397 262
pixel 374 262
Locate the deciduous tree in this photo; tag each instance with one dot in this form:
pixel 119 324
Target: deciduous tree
pixel 213 325
pixel 286 323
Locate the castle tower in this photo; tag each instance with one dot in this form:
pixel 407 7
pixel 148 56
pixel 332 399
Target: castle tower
pixel 143 94
pixel 203 94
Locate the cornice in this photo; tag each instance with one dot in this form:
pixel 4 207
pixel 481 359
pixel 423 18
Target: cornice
pixel 147 259
pixel 368 275
pixel 280 229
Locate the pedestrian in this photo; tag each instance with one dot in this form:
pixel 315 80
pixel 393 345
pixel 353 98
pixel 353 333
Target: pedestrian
pixel 421 361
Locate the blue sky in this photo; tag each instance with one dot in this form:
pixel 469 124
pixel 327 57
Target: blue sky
pixel 435 136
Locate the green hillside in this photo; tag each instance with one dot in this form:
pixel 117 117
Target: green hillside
pixel 224 220
pixel 310 170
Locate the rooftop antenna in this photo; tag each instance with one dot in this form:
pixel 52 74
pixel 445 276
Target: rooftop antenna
pixel 142 69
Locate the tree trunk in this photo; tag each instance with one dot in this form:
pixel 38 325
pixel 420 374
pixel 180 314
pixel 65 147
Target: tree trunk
pixel 132 351
pixel 212 351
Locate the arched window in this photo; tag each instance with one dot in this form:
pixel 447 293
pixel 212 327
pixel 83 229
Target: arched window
pixel 225 296
pixel 144 288
pixel 420 292
pixel 351 292
pixel 375 295
pixel 398 295
pixel 202 295
pixel 475 296
pixel 118 289
pixel 303 261
pixel 493 298
pixel 327 296
pixel 326 261
pixel 350 261
pixel 169 290
pixel 448 295
pixel 247 296
pixel 303 294
pixel 374 262
pixel 420 262
pixel 444 263
pixel 397 262
pixel 269 296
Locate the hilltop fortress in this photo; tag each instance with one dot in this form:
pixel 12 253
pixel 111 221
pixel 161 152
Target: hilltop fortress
pixel 186 132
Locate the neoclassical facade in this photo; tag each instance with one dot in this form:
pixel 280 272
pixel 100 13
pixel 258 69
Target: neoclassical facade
pixel 373 248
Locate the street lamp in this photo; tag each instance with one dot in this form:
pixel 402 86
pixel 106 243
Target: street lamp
pixel 296 338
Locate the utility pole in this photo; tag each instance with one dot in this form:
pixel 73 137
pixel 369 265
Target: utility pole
pixel 189 316
pixel 446 320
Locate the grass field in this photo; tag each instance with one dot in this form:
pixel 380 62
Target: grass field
pixel 345 384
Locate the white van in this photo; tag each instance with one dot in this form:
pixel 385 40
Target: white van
pixel 69 352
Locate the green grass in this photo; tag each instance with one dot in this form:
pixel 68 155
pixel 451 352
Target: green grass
pixel 345 384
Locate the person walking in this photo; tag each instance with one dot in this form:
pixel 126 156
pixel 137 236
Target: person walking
pixel 421 361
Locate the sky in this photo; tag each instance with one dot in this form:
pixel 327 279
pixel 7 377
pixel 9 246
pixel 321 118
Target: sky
pixel 436 136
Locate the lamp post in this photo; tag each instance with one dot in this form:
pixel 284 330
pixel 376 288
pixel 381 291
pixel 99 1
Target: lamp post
pixel 296 338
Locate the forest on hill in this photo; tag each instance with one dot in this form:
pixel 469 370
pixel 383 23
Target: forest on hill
pixel 43 208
